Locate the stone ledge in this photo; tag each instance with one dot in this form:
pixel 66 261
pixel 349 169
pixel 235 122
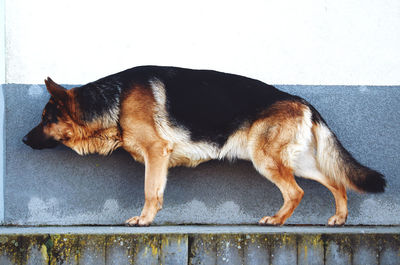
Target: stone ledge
pixel 200 245
pixel 197 229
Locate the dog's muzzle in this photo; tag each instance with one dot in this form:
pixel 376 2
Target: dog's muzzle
pixel 38 140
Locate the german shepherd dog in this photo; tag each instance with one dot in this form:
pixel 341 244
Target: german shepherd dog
pixel 167 116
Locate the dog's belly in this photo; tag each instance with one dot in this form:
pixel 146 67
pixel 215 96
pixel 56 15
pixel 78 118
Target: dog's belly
pixel 192 154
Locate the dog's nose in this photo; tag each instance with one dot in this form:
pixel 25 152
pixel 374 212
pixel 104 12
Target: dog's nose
pixel 25 139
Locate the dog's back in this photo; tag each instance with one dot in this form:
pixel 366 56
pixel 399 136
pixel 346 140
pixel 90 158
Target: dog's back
pixel 209 104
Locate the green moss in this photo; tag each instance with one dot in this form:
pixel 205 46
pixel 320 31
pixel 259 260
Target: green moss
pixel 282 241
pixel 57 249
pixel 202 243
pixel 92 245
pixel 63 248
pixel 147 245
pixel 18 248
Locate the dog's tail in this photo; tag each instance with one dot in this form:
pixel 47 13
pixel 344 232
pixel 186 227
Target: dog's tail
pixel 339 165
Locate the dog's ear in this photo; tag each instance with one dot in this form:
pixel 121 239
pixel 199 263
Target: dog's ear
pixel 58 92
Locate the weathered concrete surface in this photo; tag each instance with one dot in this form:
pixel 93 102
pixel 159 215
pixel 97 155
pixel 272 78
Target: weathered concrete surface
pixel 2 155
pixel 199 230
pixel 200 245
pixel 59 187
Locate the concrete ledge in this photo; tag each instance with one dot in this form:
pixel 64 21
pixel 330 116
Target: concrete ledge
pixel 200 245
pixel 198 229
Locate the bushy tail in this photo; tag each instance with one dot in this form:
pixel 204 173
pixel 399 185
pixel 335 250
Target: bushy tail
pixel 340 166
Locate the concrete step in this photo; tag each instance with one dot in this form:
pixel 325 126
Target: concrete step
pixel 200 245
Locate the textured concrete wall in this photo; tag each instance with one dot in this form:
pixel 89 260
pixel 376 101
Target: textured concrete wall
pixel 60 187
pixel 2 158
pixel 200 245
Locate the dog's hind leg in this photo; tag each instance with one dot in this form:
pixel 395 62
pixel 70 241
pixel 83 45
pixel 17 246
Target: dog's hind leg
pixel 339 193
pixel 267 159
pixel 156 159
pixel 274 142
pixel 283 178
pixel 306 167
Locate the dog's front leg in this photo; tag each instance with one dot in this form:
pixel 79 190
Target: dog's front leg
pixel 156 163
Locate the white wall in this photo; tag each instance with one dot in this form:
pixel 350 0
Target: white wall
pixel 2 43
pixel 2 81
pixel 325 42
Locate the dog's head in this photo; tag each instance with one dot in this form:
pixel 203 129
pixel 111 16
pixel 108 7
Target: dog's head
pixel 56 125
pixel 62 123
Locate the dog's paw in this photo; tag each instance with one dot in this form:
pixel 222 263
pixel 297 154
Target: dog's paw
pixel 337 220
pixel 137 221
pixel 270 220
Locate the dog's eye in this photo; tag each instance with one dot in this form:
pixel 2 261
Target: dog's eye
pixel 49 119
pixel 45 121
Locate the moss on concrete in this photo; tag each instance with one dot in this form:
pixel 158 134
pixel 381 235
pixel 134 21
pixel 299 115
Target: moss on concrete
pixel 197 248
pixel 17 248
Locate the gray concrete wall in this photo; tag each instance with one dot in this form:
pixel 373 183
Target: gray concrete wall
pixel 252 245
pixel 60 187
pixel 2 158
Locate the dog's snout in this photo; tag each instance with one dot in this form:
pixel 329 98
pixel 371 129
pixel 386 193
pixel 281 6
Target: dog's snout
pixel 25 139
pixel 38 140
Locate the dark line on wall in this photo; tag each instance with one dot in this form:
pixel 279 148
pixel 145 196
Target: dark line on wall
pixel 270 246
pixel 190 244
pixel 105 248
pixel 77 250
pixel 325 245
pixel 379 250
pixel 352 240
pixel 242 245
pixel 159 246
pixel 297 249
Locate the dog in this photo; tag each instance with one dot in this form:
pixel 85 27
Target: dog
pixel 168 116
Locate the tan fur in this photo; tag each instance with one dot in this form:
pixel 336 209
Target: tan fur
pixel 85 139
pixel 142 140
pixel 309 166
pixel 102 141
pixel 329 160
pixel 274 141
pixel 236 146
